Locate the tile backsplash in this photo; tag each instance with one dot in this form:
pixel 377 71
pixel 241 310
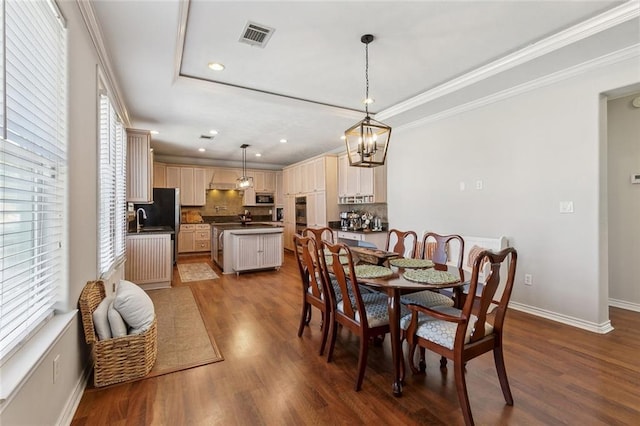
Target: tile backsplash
pixel 226 203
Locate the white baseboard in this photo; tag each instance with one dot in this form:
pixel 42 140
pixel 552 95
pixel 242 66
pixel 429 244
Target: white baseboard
pixel 602 328
pixel 623 304
pixel 74 399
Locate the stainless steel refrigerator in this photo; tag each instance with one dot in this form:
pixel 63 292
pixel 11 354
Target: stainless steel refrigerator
pixel 164 211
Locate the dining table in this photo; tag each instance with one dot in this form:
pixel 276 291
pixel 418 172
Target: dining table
pixel 395 285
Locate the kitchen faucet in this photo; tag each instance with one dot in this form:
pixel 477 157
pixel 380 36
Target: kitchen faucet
pixel 144 216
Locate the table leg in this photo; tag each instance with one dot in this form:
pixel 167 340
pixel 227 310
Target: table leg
pixel 396 349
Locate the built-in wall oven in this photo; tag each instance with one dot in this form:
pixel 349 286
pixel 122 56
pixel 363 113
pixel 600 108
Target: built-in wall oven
pixel 301 214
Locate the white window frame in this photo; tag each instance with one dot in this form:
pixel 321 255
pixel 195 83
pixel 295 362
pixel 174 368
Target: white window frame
pixel 33 172
pixel 112 189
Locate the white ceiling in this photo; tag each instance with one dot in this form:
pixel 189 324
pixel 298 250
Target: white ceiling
pixel 307 84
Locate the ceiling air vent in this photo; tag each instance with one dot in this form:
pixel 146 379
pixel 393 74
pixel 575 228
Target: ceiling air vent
pixel 207 137
pixel 256 34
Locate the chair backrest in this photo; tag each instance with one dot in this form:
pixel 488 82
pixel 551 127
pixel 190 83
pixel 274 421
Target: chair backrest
pixel 306 252
pixel 441 249
pixel 403 243
pixel 319 234
pixel 348 282
pixel 479 306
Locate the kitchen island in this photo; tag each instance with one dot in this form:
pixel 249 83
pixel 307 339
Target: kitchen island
pixel 237 247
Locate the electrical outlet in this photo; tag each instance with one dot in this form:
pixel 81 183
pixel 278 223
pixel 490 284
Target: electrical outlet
pixel 462 186
pixel 566 206
pixel 479 184
pixel 528 279
pixel 56 368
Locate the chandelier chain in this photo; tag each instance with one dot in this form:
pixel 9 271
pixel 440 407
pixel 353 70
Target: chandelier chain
pixel 366 77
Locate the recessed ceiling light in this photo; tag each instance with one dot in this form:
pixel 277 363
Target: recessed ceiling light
pixel 201 149
pixel 213 132
pixel 283 141
pixel 343 137
pixel 216 66
pixel 154 132
pixel 258 154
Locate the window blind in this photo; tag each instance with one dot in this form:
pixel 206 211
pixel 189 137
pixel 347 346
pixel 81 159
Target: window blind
pixel 113 190
pixel 32 167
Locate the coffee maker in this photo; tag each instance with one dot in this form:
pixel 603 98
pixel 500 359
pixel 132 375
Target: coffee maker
pixel 344 221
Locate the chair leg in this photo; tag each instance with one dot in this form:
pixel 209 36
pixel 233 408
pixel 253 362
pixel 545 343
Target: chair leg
pixel 362 361
pixel 303 317
pixel 502 374
pixel 333 332
pixel 410 357
pixel 326 324
pixel 463 396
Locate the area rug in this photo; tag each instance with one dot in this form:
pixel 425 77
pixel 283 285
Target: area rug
pixel 183 339
pixel 196 272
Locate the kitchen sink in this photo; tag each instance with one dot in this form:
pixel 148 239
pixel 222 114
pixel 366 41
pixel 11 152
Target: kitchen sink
pixel 155 228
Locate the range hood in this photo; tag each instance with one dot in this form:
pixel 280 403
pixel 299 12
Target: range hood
pixel 224 179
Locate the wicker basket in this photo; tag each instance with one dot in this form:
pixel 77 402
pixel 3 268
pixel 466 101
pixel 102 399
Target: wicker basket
pixel 119 359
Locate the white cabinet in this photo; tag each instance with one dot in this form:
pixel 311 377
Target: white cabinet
pixel 172 177
pixel 159 175
pixel 191 181
pixel 315 179
pixel 194 238
pixel 249 197
pixel 263 181
pixel 360 184
pixel 279 197
pixel 202 238
pixel 256 251
pixel 289 221
pixel 149 260
pixel 287 185
pixel 317 209
pixel 187 238
pixel 139 166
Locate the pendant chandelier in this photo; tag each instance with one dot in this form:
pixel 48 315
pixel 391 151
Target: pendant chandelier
pixel 244 181
pixel 367 141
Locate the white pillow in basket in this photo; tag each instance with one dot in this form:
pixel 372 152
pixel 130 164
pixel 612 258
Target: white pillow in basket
pixel 117 324
pixel 135 306
pixel 101 320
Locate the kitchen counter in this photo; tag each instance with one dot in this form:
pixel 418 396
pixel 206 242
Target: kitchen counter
pixel 254 226
pixel 152 230
pixel 360 231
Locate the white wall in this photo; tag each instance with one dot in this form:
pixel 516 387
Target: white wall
pixel 39 401
pixel 531 151
pixel 623 138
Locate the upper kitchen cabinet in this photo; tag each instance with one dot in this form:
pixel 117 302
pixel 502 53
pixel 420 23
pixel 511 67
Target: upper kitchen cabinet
pixel 159 175
pixel 279 197
pixel 263 181
pixel 361 184
pixel 139 166
pixel 172 177
pixel 192 186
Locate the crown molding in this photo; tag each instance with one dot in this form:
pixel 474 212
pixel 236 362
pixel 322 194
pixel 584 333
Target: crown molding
pixel 609 59
pixel 95 32
pixel 595 25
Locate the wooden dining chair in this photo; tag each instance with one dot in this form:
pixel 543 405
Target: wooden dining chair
pixel 364 314
pixel 314 293
pixel 463 334
pixel 403 243
pixel 319 234
pixel 436 248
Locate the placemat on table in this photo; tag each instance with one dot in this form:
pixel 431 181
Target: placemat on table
pixel 411 263
pixel 430 276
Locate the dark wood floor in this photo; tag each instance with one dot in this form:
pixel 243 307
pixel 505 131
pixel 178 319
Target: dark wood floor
pixel 558 374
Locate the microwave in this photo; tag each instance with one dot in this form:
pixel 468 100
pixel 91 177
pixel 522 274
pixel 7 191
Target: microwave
pixel 262 198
